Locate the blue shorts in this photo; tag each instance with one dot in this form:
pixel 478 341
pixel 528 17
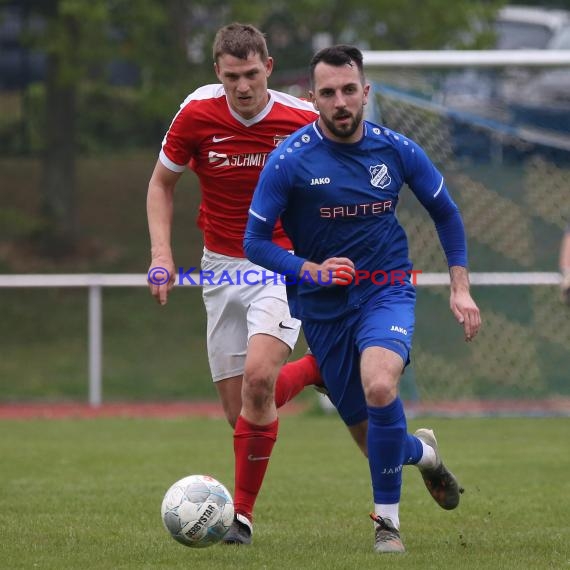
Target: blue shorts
pixel 386 320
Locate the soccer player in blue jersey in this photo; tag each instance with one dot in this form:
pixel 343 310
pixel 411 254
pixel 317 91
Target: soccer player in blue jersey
pixel 335 185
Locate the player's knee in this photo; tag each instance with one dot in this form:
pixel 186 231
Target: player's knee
pixel 258 386
pixel 381 392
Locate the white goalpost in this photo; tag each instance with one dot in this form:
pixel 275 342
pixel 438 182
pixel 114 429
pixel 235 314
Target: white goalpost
pixel 466 58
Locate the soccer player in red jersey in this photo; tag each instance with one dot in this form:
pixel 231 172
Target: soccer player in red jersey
pixel 224 133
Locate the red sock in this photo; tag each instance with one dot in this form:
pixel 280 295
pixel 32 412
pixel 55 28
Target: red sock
pixel 294 376
pixel 252 449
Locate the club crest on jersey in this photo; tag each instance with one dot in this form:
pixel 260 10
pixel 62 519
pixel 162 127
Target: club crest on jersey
pixel 278 139
pixel 379 176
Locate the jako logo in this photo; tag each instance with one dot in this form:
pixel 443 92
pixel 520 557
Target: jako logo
pixel 394 328
pixel 318 181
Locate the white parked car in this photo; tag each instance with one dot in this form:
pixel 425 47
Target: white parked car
pixel 525 27
pixel 529 98
pixel 540 98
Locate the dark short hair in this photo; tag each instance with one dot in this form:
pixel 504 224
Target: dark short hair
pixel 338 56
pixel 239 40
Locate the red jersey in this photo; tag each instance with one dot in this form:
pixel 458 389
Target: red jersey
pixel 227 152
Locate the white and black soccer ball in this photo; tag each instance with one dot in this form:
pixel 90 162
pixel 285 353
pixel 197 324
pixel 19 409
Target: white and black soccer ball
pixel 197 511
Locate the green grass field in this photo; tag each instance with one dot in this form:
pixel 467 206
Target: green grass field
pixel 87 494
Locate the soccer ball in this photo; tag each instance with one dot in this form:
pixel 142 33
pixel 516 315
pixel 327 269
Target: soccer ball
pixel 197 511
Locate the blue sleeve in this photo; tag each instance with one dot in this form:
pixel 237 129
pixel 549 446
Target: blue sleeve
pixel 428 184
pixel 269 200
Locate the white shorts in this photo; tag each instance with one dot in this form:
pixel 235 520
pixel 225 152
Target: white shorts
pixel 236 310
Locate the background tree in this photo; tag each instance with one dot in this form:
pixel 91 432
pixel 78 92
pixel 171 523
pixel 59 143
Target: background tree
pixel 81 41
pixel 168 43
pixel 380 24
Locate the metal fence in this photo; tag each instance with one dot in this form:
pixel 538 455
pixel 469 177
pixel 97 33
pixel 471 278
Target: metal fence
pixel 94 284
pixel 498 126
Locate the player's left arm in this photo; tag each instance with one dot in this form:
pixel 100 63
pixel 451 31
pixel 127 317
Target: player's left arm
pixel 565 267
pixel 429 186
pixel 462 304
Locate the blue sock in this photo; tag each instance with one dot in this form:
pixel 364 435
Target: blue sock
pixel 413 450
pixel 387 446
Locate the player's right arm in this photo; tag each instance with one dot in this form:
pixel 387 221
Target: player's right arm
pixel 565 267
pixel 177 149
pixel 160 209
pixel 269 200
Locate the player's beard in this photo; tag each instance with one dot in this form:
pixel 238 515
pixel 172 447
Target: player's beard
pixel 348 129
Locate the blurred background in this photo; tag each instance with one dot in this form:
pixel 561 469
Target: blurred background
pixel 87 91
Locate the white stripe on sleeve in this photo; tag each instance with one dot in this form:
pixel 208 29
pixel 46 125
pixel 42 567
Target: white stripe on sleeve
pixel 439 189
pixel 257 215
pixel 169 164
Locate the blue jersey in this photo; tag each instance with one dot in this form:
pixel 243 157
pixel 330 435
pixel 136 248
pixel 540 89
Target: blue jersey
pixel 339 200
